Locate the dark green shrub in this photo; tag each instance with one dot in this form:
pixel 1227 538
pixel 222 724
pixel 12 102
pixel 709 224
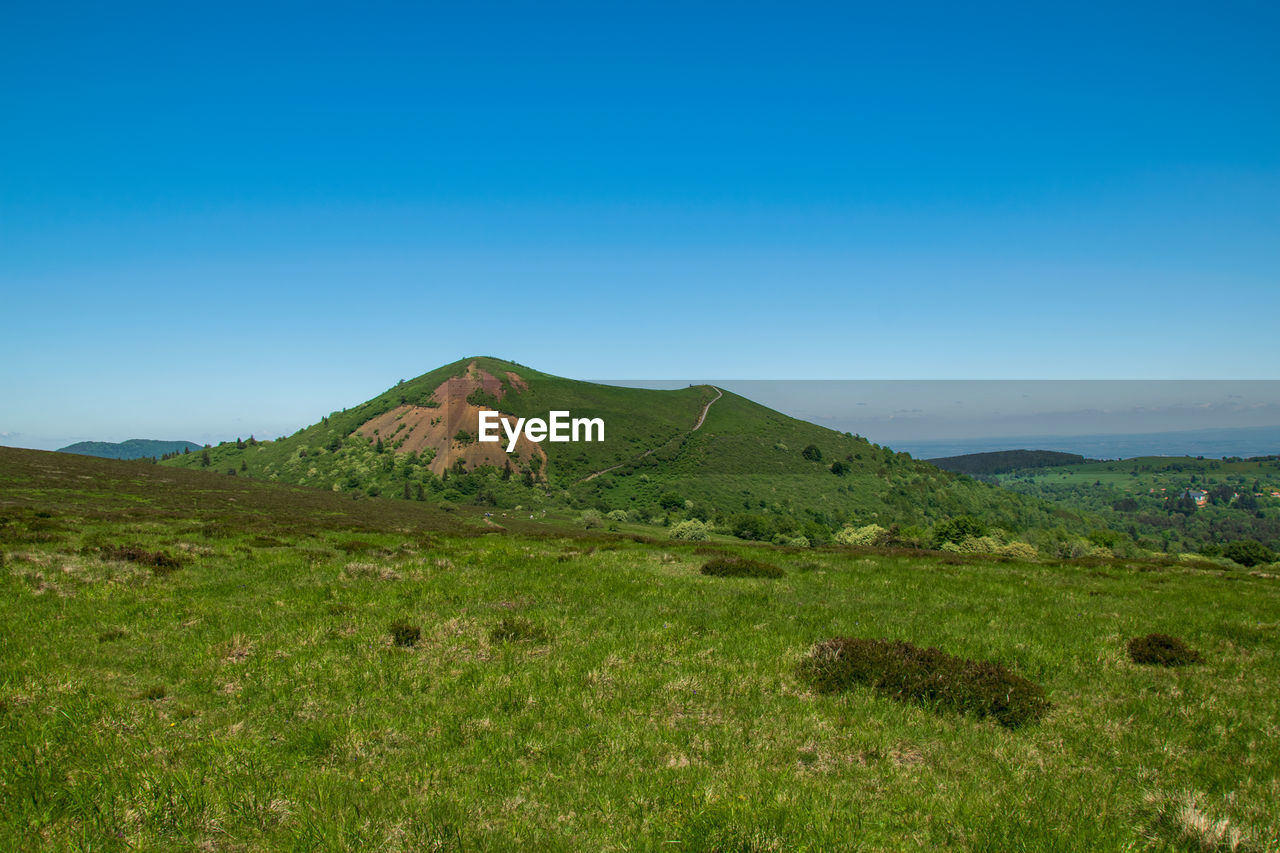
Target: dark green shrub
pixel 159 562
pixel 405 635
pixel 926 676
pixel 517 629
pixel 1248 553
pixel 1162 650
pixel 482 398
pixel 740 567
pixel 812 453
pixel 671 500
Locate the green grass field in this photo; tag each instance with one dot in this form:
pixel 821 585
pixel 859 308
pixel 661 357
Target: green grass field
pixel 583 693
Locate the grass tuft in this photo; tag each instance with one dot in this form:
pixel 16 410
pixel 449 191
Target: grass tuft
pixel 926 676
pixel 1162 650
pixel 517 629
pixel 1182 823
pixel 740 567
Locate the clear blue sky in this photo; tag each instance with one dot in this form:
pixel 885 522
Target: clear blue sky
pixel 224 218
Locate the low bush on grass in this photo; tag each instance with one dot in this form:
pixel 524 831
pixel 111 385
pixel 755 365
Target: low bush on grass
pixel 871 534
pixel 740 567
pixel 405 635
pixel 160 562
pixel 1162 650
pixel 517 629
pixel 926 676
pixel 691 530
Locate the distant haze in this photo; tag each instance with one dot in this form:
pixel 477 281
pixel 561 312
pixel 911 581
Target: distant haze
pixel 1102 418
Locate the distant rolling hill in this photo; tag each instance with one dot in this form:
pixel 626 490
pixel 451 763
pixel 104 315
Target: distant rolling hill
pixel 134 448
pixel 1004 461
pixel 693 452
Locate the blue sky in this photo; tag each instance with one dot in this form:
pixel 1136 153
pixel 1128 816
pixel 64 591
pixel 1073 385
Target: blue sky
pixel 232 218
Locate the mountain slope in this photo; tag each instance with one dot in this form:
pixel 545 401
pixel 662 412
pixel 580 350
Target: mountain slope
pixel 697 451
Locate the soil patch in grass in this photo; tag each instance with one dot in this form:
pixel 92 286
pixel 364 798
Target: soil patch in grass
pixel 405 635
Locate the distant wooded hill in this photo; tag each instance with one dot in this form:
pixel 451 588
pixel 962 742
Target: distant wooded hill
pixel 134 448
pixel 1004 461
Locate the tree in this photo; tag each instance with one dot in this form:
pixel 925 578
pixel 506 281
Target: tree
pixel 839 468
pixel 204 458
pixel 812 453
pixel 671 500
pixel 752 527
pixel 1248 553
pixel 958 529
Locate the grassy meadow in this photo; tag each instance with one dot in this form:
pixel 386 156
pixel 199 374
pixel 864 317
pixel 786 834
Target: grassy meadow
pixel 191 661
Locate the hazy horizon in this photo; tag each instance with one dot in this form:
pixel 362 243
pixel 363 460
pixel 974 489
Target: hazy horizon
pixel 921 416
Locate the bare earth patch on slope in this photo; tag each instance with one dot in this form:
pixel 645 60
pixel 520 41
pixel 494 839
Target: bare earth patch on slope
pixel 448 429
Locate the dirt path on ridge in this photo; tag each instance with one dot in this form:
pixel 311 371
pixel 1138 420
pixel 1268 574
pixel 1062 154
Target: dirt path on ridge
pixel 701 417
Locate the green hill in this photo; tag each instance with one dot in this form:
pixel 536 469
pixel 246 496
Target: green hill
pixel 1004 461
pixel 134 448
pixel 697 452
